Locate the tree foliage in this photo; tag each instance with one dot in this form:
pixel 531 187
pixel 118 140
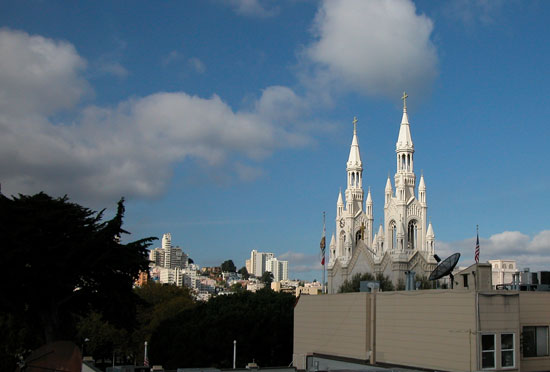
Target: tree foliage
pixel 228 266
pixel 354 284
pixel 267 278
pixel 261 323
pixel 67 261
pixel 244 273
pixel 424 282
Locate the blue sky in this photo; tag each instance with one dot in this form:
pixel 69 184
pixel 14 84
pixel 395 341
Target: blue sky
pixel 228 123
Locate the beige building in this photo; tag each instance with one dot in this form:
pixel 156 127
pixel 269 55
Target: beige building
pixel 443 330
pixel 503 271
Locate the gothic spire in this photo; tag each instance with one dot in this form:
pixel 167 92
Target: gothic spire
pixel 404 141
pixel 354 159
pixel 422 184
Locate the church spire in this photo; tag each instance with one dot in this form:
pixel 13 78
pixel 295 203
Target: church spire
pixel 354 191
pixel 354 159
pixel 404 141
pixel 405 179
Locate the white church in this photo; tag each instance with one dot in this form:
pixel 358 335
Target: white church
pixel 404 242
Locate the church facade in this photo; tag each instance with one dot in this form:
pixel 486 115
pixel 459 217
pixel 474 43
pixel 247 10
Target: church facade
pixel 404 242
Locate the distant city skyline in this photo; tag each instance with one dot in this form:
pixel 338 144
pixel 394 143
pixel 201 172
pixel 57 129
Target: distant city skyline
pixel 228 122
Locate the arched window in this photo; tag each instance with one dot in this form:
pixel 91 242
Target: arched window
pixel 342 236
pixel 412 234
pixel 393 232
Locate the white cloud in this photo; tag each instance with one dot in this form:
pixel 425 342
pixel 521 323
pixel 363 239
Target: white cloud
pixel 173 56
pixel 302 263
pixel 112 68
pixel 127 150
pixel 38 75
pixel 469 12
pixel 377 47
pixel 253 8
pixel 197 65
pixel 528 252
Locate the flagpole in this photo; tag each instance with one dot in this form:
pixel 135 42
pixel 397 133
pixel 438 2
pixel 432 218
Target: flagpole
pixel 324 237
pixel 145 358
pixel 477 257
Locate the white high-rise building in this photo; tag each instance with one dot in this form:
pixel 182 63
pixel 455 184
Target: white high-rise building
pixel 279 269
pixel 171 276
pixel 168 256
pixel 405 241
pixel 258 262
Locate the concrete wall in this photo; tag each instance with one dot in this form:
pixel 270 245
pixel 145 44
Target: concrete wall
pixel 535 311
pixel 499 313
pixel 333 325
pixel 433 329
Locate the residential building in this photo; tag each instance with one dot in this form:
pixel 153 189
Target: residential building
pixel 258 262
pixel 279 269
pixel 171 276
pixel 142 279
pixel 436 330
pixel 405 241
pixel 168 256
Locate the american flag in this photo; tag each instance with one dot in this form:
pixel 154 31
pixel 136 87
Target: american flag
pixel 323 242
pixel 477 249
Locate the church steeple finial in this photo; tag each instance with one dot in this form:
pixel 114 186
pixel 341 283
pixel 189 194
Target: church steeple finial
pixel 355 125
pixel 404 98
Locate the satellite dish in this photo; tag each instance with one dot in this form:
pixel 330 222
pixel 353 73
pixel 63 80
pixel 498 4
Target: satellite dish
pixel 445 268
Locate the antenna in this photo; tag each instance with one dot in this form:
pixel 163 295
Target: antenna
pixel 445 268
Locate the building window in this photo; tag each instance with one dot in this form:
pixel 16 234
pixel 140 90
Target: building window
pixel 412 234
pixel 535 341
pixel 487 351
pixel 507 354
pixel 393 229
pixel 465 279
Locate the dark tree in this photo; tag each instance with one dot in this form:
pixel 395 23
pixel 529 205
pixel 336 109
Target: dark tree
pixel 244 273
pixel 424 282
pixel 267 278
pixel 354 284
pixel 261 322
pixel 228 266
pixel 67 261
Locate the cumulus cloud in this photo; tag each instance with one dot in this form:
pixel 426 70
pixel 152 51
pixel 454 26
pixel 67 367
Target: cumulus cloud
pixel 302 263
pixel 533 252
pixel 253 8
pixel 378 47
pixel 38 75
pixel 127 150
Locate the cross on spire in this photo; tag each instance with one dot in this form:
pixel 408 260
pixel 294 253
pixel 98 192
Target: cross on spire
pixel 404 98
pixel 355 124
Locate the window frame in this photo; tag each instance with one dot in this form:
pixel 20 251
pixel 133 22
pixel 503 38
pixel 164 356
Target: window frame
pixel 535 327
pixel 513 350
pixel 493 351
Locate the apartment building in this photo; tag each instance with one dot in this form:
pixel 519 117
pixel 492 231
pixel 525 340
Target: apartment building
pixel 434 330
